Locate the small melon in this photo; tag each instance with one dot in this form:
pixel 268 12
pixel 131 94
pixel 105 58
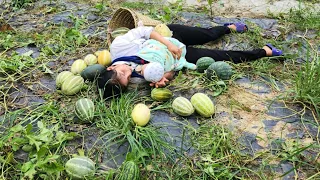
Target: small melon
pixel 78 66
pixel 182 106
pixel 203 104
pixel 104 58
pixel 62 77
pixel 90 59
pixel 72 85
pixel 140 114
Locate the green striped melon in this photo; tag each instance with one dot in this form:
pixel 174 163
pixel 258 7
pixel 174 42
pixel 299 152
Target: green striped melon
pixel 90 59
pixel 92 71
pixel 130 171
pixel 161 94
pixel 80 167
pixel 78 66
pixel 62 77
pixel 182 106
pixel 203 104
pixel 119 31
pixel 222 69
pixel 203 63
pixel 72 85
pixel 84 109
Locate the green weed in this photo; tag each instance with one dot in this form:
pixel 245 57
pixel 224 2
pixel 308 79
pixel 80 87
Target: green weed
pixel 35 133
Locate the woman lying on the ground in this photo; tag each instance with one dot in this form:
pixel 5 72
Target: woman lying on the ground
pixel 145 54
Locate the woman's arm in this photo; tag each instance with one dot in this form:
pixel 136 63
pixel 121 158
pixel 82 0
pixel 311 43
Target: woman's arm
pixel 176 52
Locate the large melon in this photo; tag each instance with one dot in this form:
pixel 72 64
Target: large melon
pixel 62 77
pixel 104 58
pixel 72 85
pixel 203 63
pixel 203 104
pixel 78 66
pixel 222 69
pixel 130 171
pixel 84 109
pixel 161 94
pixel 182 106
pixel 92 71
pixel 90 59
pixel 80 167
pixel 140 114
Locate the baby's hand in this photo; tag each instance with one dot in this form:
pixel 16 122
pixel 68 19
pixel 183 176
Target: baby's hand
pixel 161 83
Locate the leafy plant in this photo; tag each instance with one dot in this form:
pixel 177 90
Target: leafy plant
pixel 18 4
pixel 42 145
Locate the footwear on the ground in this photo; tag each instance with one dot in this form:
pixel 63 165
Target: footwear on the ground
pixel 275 51
pixel 240 27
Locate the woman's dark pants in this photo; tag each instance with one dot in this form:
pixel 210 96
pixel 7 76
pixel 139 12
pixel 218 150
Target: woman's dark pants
pixel 198 36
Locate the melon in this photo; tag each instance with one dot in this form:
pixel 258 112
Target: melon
pixel 97 53
pixel 84 109
pixel 182 106
pixel 202 104
pixel 163 30
pixel 78 66
pixel 161 94
pixel 90 59
pixel 92 71
pixel 62 77
pixel 203 63
pixel 104 58
pixel 140 114
pixel 130 171
pixel 222 69
pixel 80 167
pixel 72 85
pixel 119 31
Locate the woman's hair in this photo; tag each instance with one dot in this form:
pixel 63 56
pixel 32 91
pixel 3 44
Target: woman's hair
pixel 109 85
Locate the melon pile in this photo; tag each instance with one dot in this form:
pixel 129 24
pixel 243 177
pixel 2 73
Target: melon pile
pixel 71 82
pixel 200 103
pixel 219 69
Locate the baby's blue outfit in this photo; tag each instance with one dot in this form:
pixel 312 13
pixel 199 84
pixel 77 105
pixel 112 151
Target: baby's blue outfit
pixel 155 51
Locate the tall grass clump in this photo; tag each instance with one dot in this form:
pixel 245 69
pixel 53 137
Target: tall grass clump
pixel 307 83
pixel 116 122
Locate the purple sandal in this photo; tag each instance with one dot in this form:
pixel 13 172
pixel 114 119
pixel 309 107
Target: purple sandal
pixel 240 27
pixel 275 51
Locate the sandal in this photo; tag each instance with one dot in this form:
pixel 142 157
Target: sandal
pixel 275 51
pixel 240 27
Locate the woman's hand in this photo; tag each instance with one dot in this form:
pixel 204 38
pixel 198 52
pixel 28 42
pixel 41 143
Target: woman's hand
pixel 176 52
pixel 161 83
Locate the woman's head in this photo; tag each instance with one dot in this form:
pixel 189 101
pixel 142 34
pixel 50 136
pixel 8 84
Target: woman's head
pixel 114 80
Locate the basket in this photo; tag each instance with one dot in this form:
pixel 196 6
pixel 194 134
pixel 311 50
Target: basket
pixel 125 17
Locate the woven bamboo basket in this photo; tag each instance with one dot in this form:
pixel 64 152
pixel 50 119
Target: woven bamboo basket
pixel 125 17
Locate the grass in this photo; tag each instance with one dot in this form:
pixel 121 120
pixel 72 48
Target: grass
pixel 306 83
pixel 116 122
pixel 45 133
